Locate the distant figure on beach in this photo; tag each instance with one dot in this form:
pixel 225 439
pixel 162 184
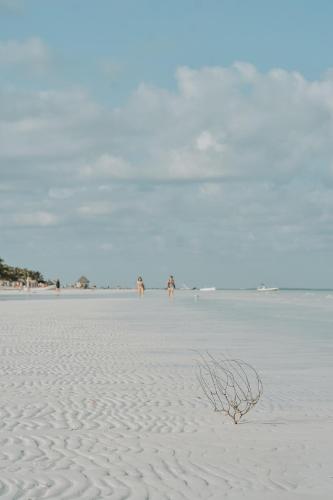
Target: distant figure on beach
pixel 171 285
pixel 140 286
pixel 58 285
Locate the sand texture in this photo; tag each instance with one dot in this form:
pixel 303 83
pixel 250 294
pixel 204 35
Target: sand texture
pixel 99 399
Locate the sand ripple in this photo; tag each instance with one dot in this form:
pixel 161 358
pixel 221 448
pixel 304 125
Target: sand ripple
pixel 99 401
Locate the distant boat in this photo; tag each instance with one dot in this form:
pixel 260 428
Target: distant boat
pixel 208 289
pixel 264 288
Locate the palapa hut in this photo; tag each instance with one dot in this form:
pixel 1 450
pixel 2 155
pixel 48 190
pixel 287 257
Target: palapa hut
pixel 83 282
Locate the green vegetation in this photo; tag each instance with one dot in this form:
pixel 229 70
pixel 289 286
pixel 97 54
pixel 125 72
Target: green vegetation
pixel 10 273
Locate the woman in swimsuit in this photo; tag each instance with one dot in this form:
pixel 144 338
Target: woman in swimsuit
pixel 171 285
pixel 140 286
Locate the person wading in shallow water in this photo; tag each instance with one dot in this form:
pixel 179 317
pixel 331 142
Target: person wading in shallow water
pixel 140 286
pixel 58 286
pixel 171 285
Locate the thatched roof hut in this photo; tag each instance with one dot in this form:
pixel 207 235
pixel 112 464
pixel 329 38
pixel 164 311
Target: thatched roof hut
pixel 82 282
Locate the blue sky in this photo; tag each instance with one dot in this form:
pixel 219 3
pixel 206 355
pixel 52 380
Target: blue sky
pixel 146 137
pixel 146 40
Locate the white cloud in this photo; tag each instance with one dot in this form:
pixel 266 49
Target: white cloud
pixel 96 208
pixel 106 247
pixel 206 141
pixel 108 166
pixel 61 193
pixel 221 123
pixel 47 125
pixel 35 219
pixel 30 52
pixel 233 160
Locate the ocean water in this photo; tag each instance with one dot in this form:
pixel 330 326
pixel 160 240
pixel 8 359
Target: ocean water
pixel 300 314
pixel 246 304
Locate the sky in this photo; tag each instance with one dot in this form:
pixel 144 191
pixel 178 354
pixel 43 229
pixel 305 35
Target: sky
pixel 150 138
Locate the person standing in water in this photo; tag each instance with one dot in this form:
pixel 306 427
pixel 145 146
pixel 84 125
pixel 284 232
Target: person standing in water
pixel 140 286
pixel 171 285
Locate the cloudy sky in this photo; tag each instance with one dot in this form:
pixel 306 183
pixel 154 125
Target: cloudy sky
pixel 147 137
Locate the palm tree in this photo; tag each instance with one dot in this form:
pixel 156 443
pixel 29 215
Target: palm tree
pixel 11 273
pixel 1 266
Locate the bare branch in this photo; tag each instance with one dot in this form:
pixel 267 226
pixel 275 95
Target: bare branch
pixel 232 386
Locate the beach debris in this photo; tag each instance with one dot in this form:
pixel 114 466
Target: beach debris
pixel 232 386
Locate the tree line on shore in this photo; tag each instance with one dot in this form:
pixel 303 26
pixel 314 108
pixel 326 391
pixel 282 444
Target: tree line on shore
pixel 11 273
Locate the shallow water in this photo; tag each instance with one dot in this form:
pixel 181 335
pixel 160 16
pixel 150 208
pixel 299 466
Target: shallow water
pixel 306 313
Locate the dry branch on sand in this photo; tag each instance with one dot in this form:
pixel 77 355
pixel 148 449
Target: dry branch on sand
pixel 232 386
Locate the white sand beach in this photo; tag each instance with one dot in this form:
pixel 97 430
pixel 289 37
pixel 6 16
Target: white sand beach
pixel 99 398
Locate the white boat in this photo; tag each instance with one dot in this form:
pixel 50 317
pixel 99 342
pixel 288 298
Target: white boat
pixel 208 289
pixel 263 288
